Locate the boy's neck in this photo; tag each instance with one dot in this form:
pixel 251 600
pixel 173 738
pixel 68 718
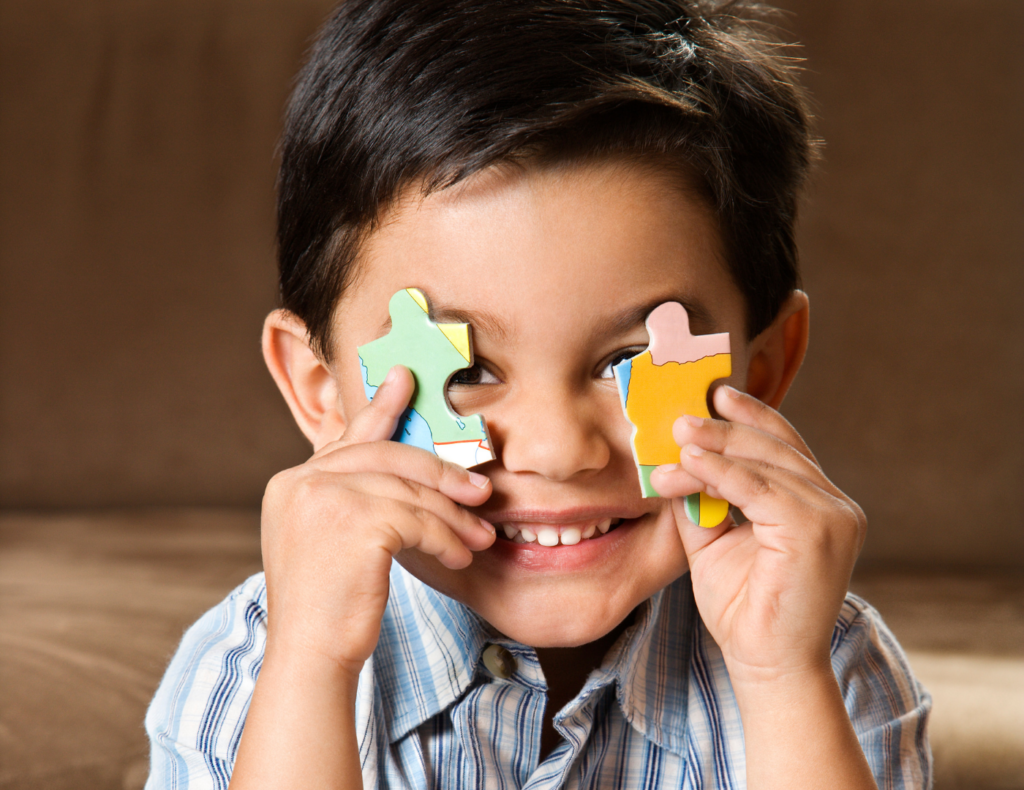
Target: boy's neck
pixel 566 670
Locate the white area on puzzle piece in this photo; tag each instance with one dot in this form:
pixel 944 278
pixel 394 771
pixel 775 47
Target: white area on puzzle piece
pixel 465 454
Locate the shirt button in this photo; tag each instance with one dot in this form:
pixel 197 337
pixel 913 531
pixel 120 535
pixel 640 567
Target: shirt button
pixel 500 662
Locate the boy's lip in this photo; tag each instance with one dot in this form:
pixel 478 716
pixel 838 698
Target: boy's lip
pixel 561 517
pixel 532 557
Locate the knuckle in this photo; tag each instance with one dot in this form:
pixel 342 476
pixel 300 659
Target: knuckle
pixel 758 483
pixel 309 486
pixel 293 485
pixel 758 408
pixel 411 488
pixel 434 520
pixel 388 517
pixel 391 537
pixel 445 471
pixel 276 484
pixel 428 520
pixel 820 536
pixel 837 528
pixel 858 524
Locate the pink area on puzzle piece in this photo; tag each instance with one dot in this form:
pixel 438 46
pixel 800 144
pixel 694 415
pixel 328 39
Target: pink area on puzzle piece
pixel 671 341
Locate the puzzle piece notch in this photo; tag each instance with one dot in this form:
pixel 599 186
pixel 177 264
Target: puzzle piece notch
pixel 433 352
pixel 658 386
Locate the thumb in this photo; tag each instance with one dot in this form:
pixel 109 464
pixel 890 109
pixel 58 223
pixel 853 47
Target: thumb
pixel 377 421
pixel 695 539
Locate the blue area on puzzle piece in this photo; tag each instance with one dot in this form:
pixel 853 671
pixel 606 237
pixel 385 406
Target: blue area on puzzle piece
pixel 413 429
pixel 622 372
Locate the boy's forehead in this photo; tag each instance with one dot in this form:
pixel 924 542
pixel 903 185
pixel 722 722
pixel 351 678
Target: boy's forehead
pixel 602 243
pixel 500 326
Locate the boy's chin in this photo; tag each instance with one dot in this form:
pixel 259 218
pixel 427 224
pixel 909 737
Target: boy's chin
pixel 567 616
pixel 560 609
pixel 555 629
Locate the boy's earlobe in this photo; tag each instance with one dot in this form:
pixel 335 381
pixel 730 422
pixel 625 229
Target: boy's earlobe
pixel 778 352
pixel 307 384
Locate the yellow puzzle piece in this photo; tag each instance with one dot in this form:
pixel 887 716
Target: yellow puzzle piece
pixel 657 387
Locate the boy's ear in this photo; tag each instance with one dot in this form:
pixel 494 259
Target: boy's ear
pixel 307 384
pixel 777 353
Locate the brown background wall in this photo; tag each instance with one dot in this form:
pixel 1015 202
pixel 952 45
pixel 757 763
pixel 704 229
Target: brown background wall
pixel 136 224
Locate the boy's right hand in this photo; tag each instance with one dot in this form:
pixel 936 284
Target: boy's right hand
pixel 331 526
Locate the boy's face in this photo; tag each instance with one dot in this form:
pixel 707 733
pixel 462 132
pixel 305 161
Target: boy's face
pixel 556 270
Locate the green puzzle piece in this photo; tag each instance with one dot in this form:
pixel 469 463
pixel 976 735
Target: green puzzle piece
pixel 433 352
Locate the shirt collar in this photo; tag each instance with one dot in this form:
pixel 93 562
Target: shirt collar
pixel 427 653
pixel 430 647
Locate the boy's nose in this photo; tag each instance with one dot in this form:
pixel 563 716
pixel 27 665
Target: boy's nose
pixel 552 434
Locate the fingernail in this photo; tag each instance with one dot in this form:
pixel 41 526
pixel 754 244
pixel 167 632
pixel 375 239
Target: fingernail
pixel 695 421
pixel 390 377
pixel 692 449
pixel 488 526
pixel 665 469
pixel 480 481
pixel 731 391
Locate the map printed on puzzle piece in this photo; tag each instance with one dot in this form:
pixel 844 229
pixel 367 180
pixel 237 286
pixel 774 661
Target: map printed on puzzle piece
pixel 433 352
pixel 657 387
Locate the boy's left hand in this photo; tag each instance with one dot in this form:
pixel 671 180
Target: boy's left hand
pixel 769 590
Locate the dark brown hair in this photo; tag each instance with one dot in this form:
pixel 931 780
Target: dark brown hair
pixel 430 91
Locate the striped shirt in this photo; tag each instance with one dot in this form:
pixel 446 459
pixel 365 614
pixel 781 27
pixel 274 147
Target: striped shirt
pixel 659 712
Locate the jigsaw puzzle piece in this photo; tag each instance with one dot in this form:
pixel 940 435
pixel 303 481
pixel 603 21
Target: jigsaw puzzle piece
pixel 433 352
pixel 658 386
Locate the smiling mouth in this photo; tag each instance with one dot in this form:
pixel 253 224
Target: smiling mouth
pixel 557 534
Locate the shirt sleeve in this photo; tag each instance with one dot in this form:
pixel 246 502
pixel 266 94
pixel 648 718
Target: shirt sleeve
pixel 195 720
pixel 888 706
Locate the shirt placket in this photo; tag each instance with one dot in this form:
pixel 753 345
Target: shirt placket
pixel 498 722
pixel 574 723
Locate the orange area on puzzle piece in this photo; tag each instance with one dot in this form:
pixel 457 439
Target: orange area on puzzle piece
pixel 661 394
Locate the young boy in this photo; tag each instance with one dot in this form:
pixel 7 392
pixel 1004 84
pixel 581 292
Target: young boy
pixel 548 171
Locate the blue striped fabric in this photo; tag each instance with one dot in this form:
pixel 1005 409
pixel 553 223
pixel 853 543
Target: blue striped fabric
pixel 660 711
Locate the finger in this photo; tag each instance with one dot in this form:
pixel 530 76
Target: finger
pixel 744 483
pixel 738 440
pixel 410 463
pixel 696 539
pixel 769 496
pixel 745 409
pixel 784 509
pixel 474 532
pixel 378 420
pixel 672 481
pixel 407 527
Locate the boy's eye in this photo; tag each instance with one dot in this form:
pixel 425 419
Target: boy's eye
pixel 469 377
pixel 619 356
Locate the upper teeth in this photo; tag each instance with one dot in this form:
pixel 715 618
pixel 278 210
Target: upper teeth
pixel 554 535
